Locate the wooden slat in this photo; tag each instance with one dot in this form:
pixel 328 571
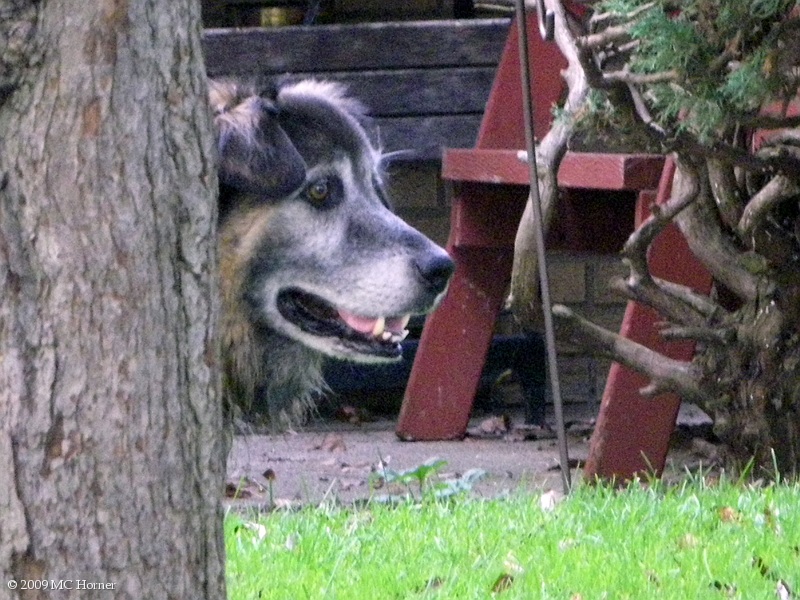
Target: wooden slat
pixel 599 171
pixel 418 92
pixel 602 171
pixel 427 136
pixel 370 46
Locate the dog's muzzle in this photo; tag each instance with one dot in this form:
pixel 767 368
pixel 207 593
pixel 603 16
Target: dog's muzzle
pixel 436 272
pixel 376 337
pixel 379 337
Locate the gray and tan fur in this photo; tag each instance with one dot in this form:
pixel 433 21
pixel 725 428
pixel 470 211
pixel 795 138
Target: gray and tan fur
pixel 313 263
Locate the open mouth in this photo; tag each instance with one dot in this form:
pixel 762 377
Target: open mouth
pixel 377 337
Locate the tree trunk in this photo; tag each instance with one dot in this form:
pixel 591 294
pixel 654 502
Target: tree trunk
pixel 111 451
pixel 756 407
pixel 750 377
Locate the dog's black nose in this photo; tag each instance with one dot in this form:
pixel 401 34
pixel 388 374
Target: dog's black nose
pixel 436 270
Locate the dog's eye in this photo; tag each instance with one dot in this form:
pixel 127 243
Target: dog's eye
pixel 318 191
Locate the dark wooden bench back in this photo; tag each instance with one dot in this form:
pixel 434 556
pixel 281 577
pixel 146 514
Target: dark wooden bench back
pixel 425 83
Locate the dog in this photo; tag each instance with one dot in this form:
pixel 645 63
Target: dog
pixel 312 261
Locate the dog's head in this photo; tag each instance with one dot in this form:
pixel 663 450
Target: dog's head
pixel 309 247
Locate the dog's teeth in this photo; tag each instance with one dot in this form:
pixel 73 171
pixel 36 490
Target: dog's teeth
pixel 379 328
pixel 404 322
pixel 395 337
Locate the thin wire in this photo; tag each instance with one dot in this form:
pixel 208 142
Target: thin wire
pixel 544 281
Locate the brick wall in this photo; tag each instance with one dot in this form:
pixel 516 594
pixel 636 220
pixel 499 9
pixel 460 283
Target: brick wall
pixel 580 281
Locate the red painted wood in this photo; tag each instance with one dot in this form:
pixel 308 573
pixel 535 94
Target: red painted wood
pixel 503 121
pixel 454 343
pixel 485 215
pixel 493 165
pixel 456 337
pixel 452 350
pixel 776 109
pixel 610 171
pixel 632 432
pixel 596 171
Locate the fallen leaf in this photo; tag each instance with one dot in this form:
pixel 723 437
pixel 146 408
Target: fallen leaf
pixel 688 541
pixel 726 588
pixel 783 590
pixel 491 427
pixel 332 442
pixel 237 490
pixel 728 514
pixel 548 500
pixel 349 484
pixel 291 541
pixel 502 583
pixel 258 529
pixel 512 564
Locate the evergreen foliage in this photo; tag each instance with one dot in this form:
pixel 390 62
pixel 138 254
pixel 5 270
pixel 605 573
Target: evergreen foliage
pixel 724 59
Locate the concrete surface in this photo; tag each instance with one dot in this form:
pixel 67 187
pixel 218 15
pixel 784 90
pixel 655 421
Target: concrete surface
pixel 343 462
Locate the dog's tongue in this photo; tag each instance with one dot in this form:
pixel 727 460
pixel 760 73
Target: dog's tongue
pixel 375 327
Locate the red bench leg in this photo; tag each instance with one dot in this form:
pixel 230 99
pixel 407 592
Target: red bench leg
pixel 453 347
pixel 452 350
pixel 632 432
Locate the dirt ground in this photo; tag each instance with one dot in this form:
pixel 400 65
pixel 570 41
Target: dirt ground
pixel 332 460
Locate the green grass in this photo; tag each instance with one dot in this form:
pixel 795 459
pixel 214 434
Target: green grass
pixel 692 541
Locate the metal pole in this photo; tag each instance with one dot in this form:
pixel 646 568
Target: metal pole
pixel 535 201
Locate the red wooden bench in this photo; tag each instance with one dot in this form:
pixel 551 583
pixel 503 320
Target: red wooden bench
pixel 490 187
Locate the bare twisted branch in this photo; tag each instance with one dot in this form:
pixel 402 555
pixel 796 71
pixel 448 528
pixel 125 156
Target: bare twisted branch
pixel 667 374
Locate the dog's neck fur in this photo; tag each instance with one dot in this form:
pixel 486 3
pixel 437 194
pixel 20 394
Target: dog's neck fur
pixel 265 371
pixel 285 374
pixel 291 376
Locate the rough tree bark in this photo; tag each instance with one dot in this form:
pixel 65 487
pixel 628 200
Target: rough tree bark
pixel 736 199
pixel 111 448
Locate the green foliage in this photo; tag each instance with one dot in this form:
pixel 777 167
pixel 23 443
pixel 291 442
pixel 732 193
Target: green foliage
pixel 601 127
pixel 723 53
pixel 699 540
pixel 427 481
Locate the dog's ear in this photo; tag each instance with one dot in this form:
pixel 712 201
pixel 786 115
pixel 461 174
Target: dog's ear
pixel 256 155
